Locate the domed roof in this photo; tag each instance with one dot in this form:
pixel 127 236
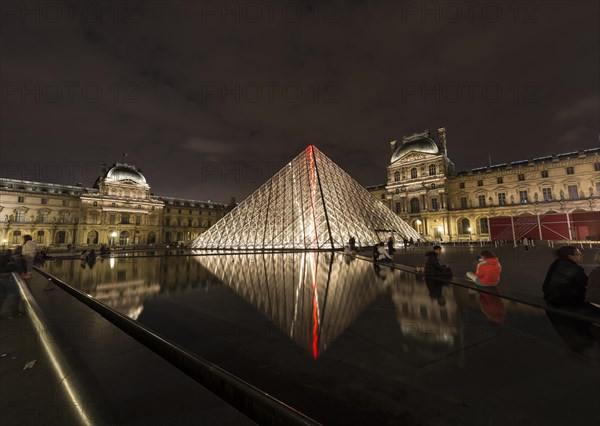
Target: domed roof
pixel 122 171
pixel 421 143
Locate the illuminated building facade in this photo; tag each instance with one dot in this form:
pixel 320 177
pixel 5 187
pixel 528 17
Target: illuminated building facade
pixel 118 210
pixel 546 198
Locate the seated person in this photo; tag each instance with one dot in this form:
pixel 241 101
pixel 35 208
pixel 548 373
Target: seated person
pixel 592 294
pixel 432 263
pixel 488 270
pixel 566 282
pixel 382 254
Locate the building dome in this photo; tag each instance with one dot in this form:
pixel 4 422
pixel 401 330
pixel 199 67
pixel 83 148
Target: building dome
pixel 422 144
pixel 125 172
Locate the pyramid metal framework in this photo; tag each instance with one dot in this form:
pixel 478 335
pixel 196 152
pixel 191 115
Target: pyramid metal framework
pixel 310 204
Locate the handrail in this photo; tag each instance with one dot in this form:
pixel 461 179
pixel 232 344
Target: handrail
pixel 249 400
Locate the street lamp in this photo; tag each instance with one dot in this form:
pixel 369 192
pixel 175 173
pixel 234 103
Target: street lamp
pixel 113 235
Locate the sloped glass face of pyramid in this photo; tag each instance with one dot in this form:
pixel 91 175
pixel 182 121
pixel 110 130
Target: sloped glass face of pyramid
pixel 310 204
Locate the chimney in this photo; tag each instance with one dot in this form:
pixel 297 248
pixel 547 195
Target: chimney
pixel 442 139
pixel 393 146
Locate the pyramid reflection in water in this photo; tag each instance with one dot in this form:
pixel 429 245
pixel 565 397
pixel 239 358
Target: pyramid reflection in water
pixel 309 204
pixel 313 297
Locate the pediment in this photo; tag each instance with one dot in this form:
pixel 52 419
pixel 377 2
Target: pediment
pixel 415 156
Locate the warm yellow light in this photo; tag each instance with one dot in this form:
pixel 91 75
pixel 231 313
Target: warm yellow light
pixel 440 228
pixel 418 222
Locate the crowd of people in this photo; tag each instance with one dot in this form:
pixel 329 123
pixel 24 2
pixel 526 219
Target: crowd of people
pixel 565 285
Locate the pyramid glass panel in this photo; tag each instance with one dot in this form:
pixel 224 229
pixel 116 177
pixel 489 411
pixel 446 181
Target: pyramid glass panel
pixel 310 204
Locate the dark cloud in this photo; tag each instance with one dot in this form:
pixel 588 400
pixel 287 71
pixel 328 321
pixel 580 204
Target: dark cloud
pixel 202 95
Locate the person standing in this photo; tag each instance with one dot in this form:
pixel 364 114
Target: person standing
pixel 488 270
pixel 29 252
pixel 526 243
pixel 566 282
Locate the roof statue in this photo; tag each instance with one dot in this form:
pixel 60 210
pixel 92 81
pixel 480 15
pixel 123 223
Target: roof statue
pixel 310 204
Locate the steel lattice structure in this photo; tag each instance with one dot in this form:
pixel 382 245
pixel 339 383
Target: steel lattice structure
pixel 310 204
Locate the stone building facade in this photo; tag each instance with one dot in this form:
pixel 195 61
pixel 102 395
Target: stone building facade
pixel 118 210
pixel 551 198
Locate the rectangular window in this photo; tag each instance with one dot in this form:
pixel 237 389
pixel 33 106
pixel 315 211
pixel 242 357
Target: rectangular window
pixel 597 189
pixel 434 204
pixel 44 201
pixel 94 218
pixel 501 198
pixel 480 182
pixel 597 167
pixel 62 218
pixel 397 207
pixel 521 176
pixel 21 199
pixel 462 185
pixel 125 219
pixel 43 217
pixel 570 170
pixel 463 202
pixel 547 194
pixel 523 199
pixel 138 220
pixel 112 219
pixel 544 173
pixel 481 199
pixel 500 179
pixel 19 216
pixel 65 202
pixel 573 195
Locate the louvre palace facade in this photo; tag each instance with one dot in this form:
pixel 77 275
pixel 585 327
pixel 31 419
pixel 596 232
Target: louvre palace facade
pixel 553 197
pixel 118 210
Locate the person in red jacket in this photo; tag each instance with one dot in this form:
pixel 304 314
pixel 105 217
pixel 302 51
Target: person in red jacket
pixel 488 270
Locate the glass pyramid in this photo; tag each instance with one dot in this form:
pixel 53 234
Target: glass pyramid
pixel 310 204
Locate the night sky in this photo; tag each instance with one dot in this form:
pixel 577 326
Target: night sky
pixel 211 98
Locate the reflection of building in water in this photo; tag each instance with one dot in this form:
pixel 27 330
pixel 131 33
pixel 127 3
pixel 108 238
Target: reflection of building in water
pixel 426 312
pixel 126 297
pixel 313 297
pixel 124 283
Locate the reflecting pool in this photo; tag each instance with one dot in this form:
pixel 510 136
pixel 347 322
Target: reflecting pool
pixel 349 342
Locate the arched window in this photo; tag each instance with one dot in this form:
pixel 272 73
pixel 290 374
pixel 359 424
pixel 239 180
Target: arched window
pixel 432 170
pixel 396 176
pixel 414 205
pixel 484 226
pixel 151 237
pixel 40 237
pixel 61 237
pixel 92 237
pixel 124 238
pixel 465 226
pixel 413 173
